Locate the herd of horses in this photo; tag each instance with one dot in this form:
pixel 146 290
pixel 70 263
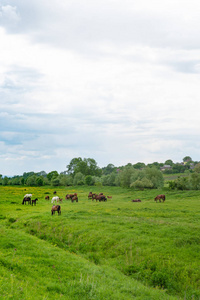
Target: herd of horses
pixel 74 197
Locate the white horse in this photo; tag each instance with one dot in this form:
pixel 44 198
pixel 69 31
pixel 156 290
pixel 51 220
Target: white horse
pixel 28 195
pixel 56 199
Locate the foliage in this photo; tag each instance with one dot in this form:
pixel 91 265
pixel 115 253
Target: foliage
pixel 52 174
pixel 89 180
pixel 86 166
pixel 147 250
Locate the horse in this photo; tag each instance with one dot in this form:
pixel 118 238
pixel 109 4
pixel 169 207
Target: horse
pixel 100 197
pixel 90 195
pixel 160 197
pixel 70 196
pixel 56 199
pixel 74 198
pixel 34 201
pixel 56 208
pixel 47 198
pixel 26 199
pixel 136 200
pixel 54 192
pixel 109 197
pixel 28 195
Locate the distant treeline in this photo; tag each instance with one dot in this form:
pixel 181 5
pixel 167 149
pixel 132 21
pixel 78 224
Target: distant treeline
pixel 137 176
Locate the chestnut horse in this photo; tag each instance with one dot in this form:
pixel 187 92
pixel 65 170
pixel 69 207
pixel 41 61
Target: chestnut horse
pixel 160 197
pixel 56 208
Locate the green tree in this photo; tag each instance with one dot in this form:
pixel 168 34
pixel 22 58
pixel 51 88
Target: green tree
pixel 187 159
pixel 142 184
pixel 86 166
pixel 155 176
pixel 5 180
pixel 52 174
pixel 31 180
pixel 79 179
pixel 39 181
pixel 197 168
pixel 125 175
pixel 89 180
pixel 139 166
pixel 55 181
pixel 108 169
pixel 169 162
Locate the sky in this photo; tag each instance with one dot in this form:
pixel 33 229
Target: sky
pixel 113 80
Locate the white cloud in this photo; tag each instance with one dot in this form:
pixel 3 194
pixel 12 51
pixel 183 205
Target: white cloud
pixel 117 83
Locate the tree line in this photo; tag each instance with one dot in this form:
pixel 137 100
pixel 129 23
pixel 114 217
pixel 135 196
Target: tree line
pixel 137 176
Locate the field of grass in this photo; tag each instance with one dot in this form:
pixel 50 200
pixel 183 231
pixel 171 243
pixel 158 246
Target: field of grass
pixel 108 250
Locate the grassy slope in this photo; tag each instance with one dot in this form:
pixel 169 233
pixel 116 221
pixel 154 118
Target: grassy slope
pixel 99 250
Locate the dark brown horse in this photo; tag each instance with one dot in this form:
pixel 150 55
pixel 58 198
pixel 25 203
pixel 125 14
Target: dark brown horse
pixel 159 198
pixel 47 198
pixel 56 208
pixel 26 199
pixel 74 198
pixel 136 200
pixel 70 196
pixel 34 201
pixel 100 197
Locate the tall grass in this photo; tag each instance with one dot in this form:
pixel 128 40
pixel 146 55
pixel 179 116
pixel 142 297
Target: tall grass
pixel 108 250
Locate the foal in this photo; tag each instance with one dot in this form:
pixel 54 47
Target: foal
pixel 34 201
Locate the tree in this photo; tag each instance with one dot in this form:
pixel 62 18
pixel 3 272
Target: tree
pixel 86 166
pixel 31 180
pixel 187 159
pixel 89 180
pixel 125 175
pixel 197 168
pixel 169 162
pixel 5 180
pixel 55 181
pixel 39 181
pixel 109 169
pixel 139 165
pixel 79 179
pixel 52 174
pixel 142 184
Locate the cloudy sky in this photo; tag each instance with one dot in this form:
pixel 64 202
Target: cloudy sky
pixel 113 80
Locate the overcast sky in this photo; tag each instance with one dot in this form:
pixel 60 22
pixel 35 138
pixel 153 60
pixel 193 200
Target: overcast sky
pixel 113 80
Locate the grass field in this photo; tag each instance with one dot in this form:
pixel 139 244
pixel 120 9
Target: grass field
pixel 108 250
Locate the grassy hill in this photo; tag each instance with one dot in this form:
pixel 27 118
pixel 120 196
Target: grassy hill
pixel 100 250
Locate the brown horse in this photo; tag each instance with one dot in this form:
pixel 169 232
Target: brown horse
pixel 74 198
pixel 47 198
pixel 26 199
pixel 34 201
pixel 56 208
pixel 100 197
pixel 160 197
pixel 136 200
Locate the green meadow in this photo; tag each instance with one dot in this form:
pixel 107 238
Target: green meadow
pixel 100 250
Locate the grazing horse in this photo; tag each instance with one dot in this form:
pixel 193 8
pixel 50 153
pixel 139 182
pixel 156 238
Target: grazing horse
pixel 109 197
pixel 54 192
pixel 160 197
pixel 47 198
pixel 56 208
pixel 56 199
pixel 100 197
pixel 90 195
pixel 74 198
pixel 26 199
pixel 28 195
pixel 34 201
pixel 70 196
pixel 136 200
